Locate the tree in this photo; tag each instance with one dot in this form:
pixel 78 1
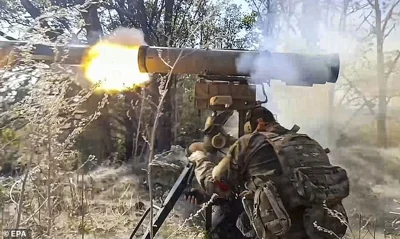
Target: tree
pixel 382 27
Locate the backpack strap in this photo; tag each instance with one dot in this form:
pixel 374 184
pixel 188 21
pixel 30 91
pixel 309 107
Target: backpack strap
pixel 278 143
pixel 255 148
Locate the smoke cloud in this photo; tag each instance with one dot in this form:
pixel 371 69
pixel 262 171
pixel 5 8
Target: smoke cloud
pixel 298 76
pixel 293 69
pixel 126 36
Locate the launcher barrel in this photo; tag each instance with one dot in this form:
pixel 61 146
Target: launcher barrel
pixel 291 68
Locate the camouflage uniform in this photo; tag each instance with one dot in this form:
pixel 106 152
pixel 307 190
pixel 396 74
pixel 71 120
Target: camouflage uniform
pixel 224 214
pixel 239 171
pixel 227 211
pixel 236 154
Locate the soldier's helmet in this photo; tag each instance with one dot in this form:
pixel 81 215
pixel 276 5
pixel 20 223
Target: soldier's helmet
pixel 256 114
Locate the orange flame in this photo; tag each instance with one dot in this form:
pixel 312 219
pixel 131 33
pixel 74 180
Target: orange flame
pixel 114 67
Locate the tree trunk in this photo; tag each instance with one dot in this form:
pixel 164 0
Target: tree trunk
pixel 331 115
pixel 141 17
pixel 128 125
pixel 380 70
pixel 34 12
pixel 310 15
pixel 343 16
pixel 107 143
pixel 92 24
pixel 165 126
pixel 331 123
pixel 175 118
pixel 169 7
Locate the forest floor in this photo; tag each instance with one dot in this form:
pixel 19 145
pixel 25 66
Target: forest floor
pixel 115 199
pixel 116 207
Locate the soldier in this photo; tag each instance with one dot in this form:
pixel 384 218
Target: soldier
pixel 287 185
pixel 215 142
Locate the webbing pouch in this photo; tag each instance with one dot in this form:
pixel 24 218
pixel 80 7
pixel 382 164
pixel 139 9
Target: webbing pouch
pixel 319 184
pixel 269 214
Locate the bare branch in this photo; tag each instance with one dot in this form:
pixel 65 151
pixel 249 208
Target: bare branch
pixel 34 213
pixel 370 3
pixel 392 66
pixel 390 97
pixel 390 30
pixel 147 100
pixel 366 20
pixel 389 15
pixel 357 9
pixel 348 122
pixel 21 196
pixel 359 92
pixel 7 37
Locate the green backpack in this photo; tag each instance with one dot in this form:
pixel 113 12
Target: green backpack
pixel 308 180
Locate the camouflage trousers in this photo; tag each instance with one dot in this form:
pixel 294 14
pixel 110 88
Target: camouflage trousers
pixel 224 221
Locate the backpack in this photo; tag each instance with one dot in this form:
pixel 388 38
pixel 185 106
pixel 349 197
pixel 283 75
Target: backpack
pixel 308 180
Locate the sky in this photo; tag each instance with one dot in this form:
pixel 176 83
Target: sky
pixel 393 38
pixel 243 3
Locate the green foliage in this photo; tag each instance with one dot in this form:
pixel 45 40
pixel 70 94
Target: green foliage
pixel 249 21
pixel 10 148
pixel 9 136
pixel 190 120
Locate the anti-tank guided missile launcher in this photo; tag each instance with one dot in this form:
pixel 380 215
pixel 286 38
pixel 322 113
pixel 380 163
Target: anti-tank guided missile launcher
pixel 228 77
pixel 228 83
pixel 291 68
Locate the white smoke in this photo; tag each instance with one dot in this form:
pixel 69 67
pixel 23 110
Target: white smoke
pixel 126 36
pixel 292 102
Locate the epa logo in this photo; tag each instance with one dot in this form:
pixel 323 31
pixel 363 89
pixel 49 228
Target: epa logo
pixel 17 233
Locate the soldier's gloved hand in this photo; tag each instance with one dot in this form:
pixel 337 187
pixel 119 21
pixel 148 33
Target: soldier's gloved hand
pixel 194 147
pixel 195 196
pixel 197 157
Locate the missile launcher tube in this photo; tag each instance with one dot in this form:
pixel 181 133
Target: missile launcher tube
pixel 291 68
pixel 287 67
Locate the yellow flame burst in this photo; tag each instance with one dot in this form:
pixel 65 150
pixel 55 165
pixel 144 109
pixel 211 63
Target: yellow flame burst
pixel 114 67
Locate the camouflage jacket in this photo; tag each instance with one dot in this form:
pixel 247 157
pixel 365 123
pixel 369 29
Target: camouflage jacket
pixel 238 170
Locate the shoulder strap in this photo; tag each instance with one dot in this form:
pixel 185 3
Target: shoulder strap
pixel 275 140
pixel 257 147
pixel 278 143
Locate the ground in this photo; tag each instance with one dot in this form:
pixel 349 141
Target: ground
pixel 115 198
